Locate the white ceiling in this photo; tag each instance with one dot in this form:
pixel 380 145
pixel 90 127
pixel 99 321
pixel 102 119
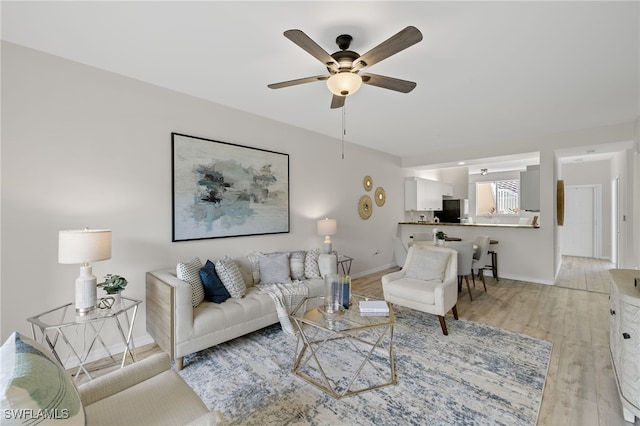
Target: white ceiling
pixel 487 72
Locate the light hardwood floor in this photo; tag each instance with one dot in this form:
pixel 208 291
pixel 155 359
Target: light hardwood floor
pixel 584 273
pixel 580 389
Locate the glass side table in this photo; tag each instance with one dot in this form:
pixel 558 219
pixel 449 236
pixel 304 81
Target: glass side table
pixel 345 262
pixel 57 323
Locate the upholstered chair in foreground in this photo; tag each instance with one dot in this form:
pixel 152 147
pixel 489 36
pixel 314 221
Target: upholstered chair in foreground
pixel 427 282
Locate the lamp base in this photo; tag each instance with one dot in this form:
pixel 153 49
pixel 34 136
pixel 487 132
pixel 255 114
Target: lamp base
pixel 326 245
pixel 86 291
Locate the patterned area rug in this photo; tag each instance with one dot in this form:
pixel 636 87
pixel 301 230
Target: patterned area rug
pixel 477 375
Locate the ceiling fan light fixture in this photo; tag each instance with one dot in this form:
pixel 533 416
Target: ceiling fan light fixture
pixel 344 83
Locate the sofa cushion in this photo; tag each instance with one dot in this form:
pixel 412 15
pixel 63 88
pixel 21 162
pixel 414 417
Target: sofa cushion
pixel 190 272
pixel 231 277
pixel 311 269
pixel 274 268
pixel 34 384
pixel 214 290
pixel 427 264
pixel 296 264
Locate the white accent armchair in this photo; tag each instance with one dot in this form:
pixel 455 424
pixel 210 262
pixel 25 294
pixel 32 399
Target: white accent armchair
pixel 428 282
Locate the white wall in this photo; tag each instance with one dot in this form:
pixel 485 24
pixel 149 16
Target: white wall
pixel 85 147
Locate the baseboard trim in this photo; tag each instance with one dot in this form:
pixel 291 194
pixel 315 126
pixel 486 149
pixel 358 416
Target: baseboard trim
pixel 373 271
pixel 115 349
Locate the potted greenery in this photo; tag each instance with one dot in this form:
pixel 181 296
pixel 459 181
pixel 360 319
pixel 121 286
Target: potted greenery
pixel 440 237
pixel 113 285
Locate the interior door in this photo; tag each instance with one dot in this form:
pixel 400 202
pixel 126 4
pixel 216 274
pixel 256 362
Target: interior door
pixel 579 221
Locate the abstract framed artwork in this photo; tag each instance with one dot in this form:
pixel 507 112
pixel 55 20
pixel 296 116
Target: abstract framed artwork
pixel 223 190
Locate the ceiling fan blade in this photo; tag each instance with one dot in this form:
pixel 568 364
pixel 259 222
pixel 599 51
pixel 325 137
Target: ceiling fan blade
pixel 394 44
pixel 337 101
pixel 306 43
pixel 297 81
pixel 390 83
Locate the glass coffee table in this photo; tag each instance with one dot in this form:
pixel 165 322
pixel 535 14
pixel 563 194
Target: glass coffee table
pixel 343 354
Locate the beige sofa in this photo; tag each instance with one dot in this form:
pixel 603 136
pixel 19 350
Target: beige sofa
pixel 36 389
pixel 180 329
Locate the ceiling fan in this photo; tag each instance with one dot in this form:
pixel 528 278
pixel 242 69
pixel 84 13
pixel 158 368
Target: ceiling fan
pixel 344 65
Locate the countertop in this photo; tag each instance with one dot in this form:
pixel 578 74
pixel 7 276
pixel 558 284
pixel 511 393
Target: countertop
pixel 491 225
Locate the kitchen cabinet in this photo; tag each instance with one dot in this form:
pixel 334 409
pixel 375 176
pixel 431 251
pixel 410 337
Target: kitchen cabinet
pixel 530 190
pixel 422 194
pixel 624 338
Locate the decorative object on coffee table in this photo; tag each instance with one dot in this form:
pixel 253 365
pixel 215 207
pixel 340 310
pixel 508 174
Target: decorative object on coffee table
pixel 365 207
pixel 333 295
pixel 380 196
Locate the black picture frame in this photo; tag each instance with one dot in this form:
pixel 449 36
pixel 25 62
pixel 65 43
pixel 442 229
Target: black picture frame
pixel 221 189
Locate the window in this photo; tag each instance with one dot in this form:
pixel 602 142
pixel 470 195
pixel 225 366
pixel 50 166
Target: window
pixel 498 197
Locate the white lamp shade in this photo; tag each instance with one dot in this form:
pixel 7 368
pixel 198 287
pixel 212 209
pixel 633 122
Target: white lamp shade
pixel 327 227
pixel 344 83
pixel 83 246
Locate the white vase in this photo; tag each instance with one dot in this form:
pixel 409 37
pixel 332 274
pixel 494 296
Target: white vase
pixel 439 242
pixel 116 299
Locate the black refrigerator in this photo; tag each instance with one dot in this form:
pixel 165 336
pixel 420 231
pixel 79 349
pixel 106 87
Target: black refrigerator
pixel 453 211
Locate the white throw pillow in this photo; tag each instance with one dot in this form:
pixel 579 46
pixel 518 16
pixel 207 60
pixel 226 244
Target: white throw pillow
pixel 427 265
pixel 231 277
pixel 255 265
pixel 274 268
pixel 311 269
pixel 296 263
pixel 190 272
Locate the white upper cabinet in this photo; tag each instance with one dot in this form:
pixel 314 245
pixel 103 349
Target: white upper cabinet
pixel 422 194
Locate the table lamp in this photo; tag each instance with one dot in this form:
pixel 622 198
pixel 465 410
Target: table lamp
pixel 81 247
pixel 327 227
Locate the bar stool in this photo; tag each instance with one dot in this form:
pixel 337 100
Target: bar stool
pixel 494 261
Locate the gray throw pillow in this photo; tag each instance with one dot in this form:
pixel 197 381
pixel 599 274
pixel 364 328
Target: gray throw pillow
pixel 190 272
pixel 274 268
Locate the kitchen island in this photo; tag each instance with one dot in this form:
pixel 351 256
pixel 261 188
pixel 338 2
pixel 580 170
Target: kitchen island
pixel 517 245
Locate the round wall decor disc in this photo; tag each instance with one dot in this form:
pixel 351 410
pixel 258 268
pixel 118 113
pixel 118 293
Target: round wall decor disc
pixel 380 196
pixel 367 183
pixel 365 207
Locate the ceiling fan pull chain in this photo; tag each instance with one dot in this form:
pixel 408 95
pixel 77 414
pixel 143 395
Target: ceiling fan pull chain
pixel 344 130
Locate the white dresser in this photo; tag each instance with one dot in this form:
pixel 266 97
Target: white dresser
pixel 624 309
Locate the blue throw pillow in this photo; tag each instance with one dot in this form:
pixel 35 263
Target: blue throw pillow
pixel 214 290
